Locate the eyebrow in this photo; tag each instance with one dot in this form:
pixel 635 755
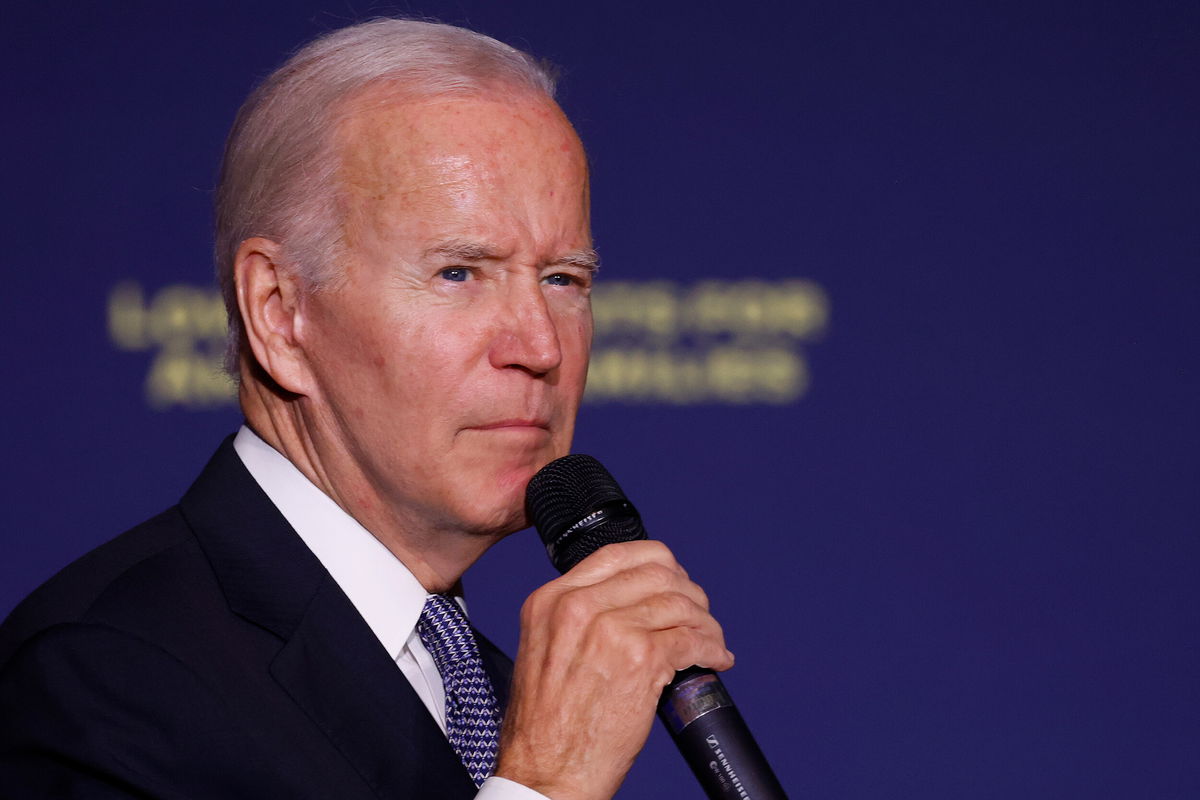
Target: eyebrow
pixel 466 250
pixel 587 259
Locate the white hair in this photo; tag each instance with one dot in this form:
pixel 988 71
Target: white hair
pixel 279 173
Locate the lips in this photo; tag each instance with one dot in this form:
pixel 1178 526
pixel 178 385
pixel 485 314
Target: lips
pixel 516 423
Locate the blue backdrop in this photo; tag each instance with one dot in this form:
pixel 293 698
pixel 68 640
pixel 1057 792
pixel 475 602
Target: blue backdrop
pixel 951 528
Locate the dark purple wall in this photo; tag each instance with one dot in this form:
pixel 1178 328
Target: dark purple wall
pixel 963 563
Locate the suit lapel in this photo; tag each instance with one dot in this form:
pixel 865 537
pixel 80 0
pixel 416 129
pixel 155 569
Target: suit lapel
pixel 366 707
pixel 330 662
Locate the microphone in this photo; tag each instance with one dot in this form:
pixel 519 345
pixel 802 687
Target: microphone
pixel 577 508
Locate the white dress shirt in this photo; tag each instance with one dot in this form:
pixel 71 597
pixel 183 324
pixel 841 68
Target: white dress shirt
pixel 384 591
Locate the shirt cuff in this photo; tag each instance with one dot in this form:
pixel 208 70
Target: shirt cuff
pixel 495 788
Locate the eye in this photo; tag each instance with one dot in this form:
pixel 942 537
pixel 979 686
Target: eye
pixel 560 279
pixel 456 274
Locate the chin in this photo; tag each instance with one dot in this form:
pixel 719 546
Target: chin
pixel 492 502
pixel 495 513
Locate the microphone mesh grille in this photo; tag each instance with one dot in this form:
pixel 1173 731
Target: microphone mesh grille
pixel 564 492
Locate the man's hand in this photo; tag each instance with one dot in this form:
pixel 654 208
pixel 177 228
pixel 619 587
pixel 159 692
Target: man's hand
pixel 597 647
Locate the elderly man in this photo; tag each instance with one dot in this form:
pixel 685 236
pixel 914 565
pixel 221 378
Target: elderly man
pixel 403 243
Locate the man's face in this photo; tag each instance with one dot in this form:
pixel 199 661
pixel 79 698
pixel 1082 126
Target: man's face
pixel 450 363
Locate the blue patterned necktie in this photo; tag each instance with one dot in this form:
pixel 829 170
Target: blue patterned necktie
pixel 472 714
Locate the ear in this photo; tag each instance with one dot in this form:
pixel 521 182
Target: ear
pixel 269 298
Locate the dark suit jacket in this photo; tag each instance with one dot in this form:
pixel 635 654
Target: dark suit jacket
pixel 207 654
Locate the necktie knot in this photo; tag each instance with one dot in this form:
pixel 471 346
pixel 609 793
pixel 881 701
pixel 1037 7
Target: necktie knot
pixel 446 634
pixel 472 714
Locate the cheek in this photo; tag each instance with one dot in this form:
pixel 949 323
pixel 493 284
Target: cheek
pixel 344 325
pixel 429 359
pixel 576 338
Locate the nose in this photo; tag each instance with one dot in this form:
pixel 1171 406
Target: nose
pixel 527 332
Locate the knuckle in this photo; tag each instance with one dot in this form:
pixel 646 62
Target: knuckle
pixel 639 654
pixel 717 633
pixel 657 574
pixel 574 608
pixel 532 608
pixel 658 550
pixel 677 603
pixel 610 627
pixel 688 650
pixel 707 651
pixel 611 556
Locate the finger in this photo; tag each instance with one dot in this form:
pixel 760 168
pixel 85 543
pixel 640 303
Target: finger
pixel 638 583
pixel 670 621
pixel 686 647
pixel 617 557
pixel 656 655
pixel 671 609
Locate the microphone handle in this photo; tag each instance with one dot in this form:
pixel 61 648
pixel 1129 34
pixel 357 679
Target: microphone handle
pixel 715 740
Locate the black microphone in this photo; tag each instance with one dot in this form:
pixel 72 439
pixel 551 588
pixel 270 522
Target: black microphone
pixel 577 508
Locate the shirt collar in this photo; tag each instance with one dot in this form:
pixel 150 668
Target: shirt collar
pixel 384 591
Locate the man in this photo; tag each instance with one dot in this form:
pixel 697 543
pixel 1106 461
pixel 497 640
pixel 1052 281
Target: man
pixel 403 243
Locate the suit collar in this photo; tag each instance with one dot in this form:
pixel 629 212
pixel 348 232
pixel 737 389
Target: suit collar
pixel 330 662
pixel 266 572
pixel 381 587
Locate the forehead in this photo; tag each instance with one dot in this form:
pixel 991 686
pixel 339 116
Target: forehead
pixel 459 150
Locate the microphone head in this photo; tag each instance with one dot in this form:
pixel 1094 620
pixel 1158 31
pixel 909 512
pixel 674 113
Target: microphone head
pixel 577 507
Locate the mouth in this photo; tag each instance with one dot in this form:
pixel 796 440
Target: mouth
pixel 515 424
